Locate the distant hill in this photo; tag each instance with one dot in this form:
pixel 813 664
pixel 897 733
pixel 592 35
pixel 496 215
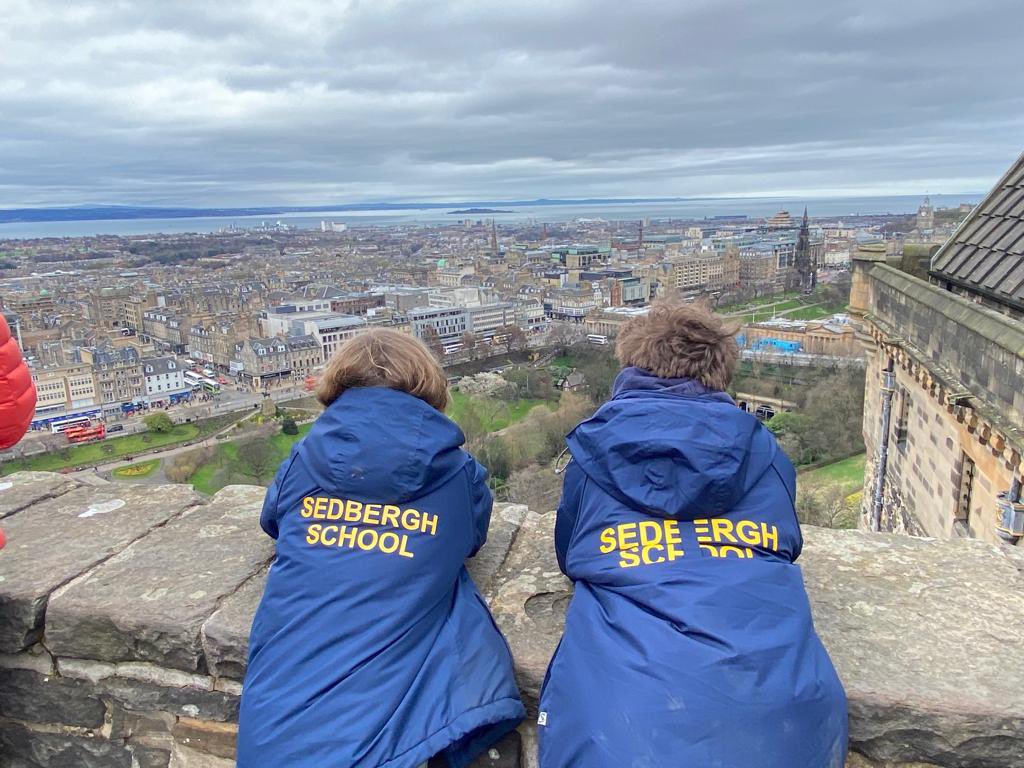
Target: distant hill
pixel 114 212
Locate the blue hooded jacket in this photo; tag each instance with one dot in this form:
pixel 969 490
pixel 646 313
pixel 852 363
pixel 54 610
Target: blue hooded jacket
pixel 371 646
pixel 689 640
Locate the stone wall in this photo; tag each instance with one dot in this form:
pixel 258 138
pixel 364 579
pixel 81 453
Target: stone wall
pixel 958 370
pixel 124 612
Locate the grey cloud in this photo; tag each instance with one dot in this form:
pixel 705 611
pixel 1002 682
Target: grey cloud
pixel 308 102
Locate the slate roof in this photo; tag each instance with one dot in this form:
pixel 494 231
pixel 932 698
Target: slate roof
pixel 986 253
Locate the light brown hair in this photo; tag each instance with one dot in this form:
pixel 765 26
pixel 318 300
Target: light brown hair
pixel 681 340
pixel 383 358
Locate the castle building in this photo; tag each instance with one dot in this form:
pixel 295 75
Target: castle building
pixel 944 390
pixel 926 217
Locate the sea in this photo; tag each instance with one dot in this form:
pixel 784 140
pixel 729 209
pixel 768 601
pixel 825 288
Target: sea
pixel 693 209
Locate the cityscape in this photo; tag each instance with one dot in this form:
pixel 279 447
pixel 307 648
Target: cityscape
pixel 223 332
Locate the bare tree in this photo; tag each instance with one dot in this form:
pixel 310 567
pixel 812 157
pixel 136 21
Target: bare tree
pixel 514 337
pixel 257 455
pixel 469 343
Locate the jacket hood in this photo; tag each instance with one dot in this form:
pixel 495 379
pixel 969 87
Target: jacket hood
pixel 379 443
pixel 672 447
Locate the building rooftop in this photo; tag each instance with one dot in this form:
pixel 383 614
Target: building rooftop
pixel 986 253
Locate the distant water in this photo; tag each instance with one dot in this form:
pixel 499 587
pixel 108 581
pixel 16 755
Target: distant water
pixel 834 207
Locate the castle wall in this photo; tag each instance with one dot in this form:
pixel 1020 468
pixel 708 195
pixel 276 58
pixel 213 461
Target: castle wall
pixel 955 437
pixel 126 612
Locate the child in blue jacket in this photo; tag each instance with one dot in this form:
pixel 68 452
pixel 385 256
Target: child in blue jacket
pixel 371 647
pixel 689 640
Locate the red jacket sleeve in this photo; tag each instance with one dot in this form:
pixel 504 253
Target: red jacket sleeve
pixel 17 390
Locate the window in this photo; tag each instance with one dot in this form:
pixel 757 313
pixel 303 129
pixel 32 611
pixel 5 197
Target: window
pixel 903 419
pixel 963 504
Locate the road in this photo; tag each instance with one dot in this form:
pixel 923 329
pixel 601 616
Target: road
pixel 159 453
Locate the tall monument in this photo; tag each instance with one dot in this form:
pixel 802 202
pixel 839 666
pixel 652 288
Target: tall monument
pixel 806 265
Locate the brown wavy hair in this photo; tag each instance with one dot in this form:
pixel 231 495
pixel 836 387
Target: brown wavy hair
pixel 384 358
pixel 681 340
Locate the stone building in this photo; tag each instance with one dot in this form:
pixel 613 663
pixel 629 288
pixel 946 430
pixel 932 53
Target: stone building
pixel 705 270
pixel 305 356
pixel 167 329
pixel 944 395
pixel 758 268
pixel 214 342
pixel 258 362
pixel 118 375
pixel 832 336
pixel 67 389
pixel 165 381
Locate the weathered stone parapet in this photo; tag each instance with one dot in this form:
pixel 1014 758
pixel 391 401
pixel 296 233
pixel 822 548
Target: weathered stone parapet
pixel 125 629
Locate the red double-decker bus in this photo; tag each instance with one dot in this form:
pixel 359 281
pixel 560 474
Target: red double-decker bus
pixel 86 433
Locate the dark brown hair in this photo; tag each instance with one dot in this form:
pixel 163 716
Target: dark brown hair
pixel 384 358
pixel 681 340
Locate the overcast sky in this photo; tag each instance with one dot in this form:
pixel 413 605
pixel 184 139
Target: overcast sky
pixel 310 101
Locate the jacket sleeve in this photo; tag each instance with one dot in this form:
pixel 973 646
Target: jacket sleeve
pixel 568 511
pixel 17 390
pixel 481 502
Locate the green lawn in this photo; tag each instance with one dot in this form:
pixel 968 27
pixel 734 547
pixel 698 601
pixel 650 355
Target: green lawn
pixel 137 471
pixel 116 447
pixel 818 312
pixel 759 302
pixel 769 312
pixel 848 473
pixel 204 479
pixel 496 415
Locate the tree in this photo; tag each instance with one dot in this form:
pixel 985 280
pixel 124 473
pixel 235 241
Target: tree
pixel 532 383
pixel 538 487
pixel 289 427
pixel 256 457
pixel 514 337
pixel 495 454
pixel 158 422
pixel 599 368
pixel 470 422
pixel 469 343
pixel 433 341
pixel 828 507
pixel 563 335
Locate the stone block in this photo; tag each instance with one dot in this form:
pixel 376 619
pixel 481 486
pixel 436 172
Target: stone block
pixel 925 635
pixel 23 489
pixel 216 739
pixel 529 600
pixel 505 522
pixel 149 602
pixel 138 696
pixel 226 632
pixel 151 729
pixel 26 695
pixel 149 757
pixel 144 688
pixel 184 757
pixel 35 659
pixel 56 540
pixel 22 747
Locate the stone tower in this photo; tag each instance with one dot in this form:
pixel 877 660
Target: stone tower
pixel 926 217
pixel 805 262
